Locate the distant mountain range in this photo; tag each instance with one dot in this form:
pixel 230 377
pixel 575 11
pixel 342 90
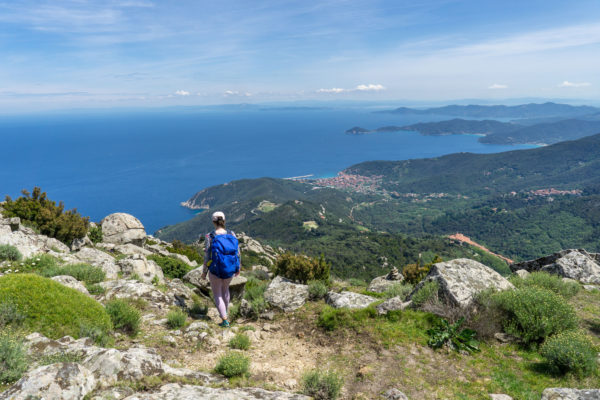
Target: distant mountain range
pixel 531 110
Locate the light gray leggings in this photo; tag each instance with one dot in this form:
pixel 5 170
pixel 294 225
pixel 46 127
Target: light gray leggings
pixel 220 289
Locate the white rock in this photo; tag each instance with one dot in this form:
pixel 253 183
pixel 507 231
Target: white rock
pixel 100 259
pixel 132 289
pixel 572 263
pixel 197 326
pixel 122 228
pixel 394 394
pixel 393 304
pixel 349 300
pixel 138 265
pixel 131 249
pixel 175 391
pixel 522 273
pixel 286 295
pixel 71 282
pixel 570 394
pixel 494 396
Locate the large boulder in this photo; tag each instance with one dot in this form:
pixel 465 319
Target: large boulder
pixel 175 391
pixel 26 240
pixel 285 294
pixel 393 304
pixel 71 282
pixel 132 250
pixel 576 264
pixel 98 258
pixel 138 265
pixel 461 279
pixel 182 295
pixel 236 287
pixel 383 283
pixel 349 300
pixel 122 228
pixel 132 289
pixel 570 394
pixel 60 381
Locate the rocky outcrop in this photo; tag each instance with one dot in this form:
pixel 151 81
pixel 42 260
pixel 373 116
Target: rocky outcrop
pixel 175 391
pixel 236 287
pixel 71 282
pixel 570 394
pixel 132 250
pixel 285 294
pixel 182 295
pixel 61 381
pixel 132 289
pixel 26 240
pixel 138 265
pixel 121 228
pixel 100 259
pixel 249 244
pixel 461 279
pixel 349 300
pixel 383 283
pixel 393 304
pixel 576 264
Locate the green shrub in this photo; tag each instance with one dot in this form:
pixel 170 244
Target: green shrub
pixel 51 308
pixel 95 234
pixel 123 316
pixel 10 315
pixel 39 262
pixel 533 314
pixel 398 289
pixel 301 268
pixel 9 253
pixel 427 292
pixel 254 293
pixel 547 281
pixel 240 341
pixel 95 289
pixel 52 220
pixel 191 252
pixel 322 385
pixel 458 339
pixel 414 273
pixel 317 289
pixel 82 272
pixel 570 351
pixel 98 335
pixel 13 358
pixel 357 282
pixel 176 318
pixel 233 364
pixel 198 309
pixel 172 267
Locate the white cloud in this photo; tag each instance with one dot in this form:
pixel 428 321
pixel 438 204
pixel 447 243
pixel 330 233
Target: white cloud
pixel 359 88
pixel 497 86
pixel 370 87
pixel 182 93
pixel 574 84
pixel 236 93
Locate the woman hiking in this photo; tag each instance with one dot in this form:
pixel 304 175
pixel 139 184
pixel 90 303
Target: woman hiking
pixel 221 263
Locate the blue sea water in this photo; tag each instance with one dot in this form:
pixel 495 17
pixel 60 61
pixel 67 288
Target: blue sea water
pixel 147 162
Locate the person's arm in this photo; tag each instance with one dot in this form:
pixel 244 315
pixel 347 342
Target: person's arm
pixel 206 256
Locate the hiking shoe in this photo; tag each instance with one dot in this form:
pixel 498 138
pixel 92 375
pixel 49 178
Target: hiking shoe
pixel 224 324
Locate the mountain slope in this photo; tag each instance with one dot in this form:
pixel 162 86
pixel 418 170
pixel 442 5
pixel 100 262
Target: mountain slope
pixel 546 133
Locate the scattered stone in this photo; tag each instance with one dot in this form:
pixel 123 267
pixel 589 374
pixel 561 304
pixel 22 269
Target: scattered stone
pixel 236 287
pixel 268 315
pixel 182 295
pixel 505 337
pixel 383 283
pixel 500 397
pixel 71 282
pixel 461 279
pixel 522 273
pixel 100 259
pixel 197 326
pixel 170 340
pixel 570 394
pixel 393 304
pixel 175 391
pixel 349 300
pixel 78 244
pixel 145 269
pixel 122 228
pixel 591 288
pixel 60 381
pixel 116 393
pixel 131 289
pixel 394 394
pixel 285 294
pixel 576 264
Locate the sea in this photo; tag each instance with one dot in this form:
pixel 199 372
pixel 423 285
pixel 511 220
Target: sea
pixel 147 162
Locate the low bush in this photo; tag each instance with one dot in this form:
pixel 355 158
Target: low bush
pixel 233 364
pixel 51 308
pixel 427 292
pixel 451 334
pixel 191 252
pixel 98 335
pixel 172 267
pixel 95 289
pixel 10 315
pixel 322 385
pixel 547 281
pixel 39 262
pixel 301 268
pixel 570 351
pixel 95 234
pixel 317 290
pixel 533 313
pixel 254 292
pixel 13 358
pixel 240 341
pixel 82 272
pixel 50 219
pixel 357 282
pixel 9 253
pixel 484 315
pixel 123 316
pixel 176 318
pixel 198 309
pixel 414 273
pixel 399 289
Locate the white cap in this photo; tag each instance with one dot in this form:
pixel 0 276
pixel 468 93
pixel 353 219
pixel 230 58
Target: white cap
pixel 218 214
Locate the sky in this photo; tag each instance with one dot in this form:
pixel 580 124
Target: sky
pixel 137 53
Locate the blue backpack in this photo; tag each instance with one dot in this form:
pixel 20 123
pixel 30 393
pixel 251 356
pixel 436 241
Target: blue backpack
pixel 224 258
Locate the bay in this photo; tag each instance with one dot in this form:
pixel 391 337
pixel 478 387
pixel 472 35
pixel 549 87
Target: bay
pixel 147 162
